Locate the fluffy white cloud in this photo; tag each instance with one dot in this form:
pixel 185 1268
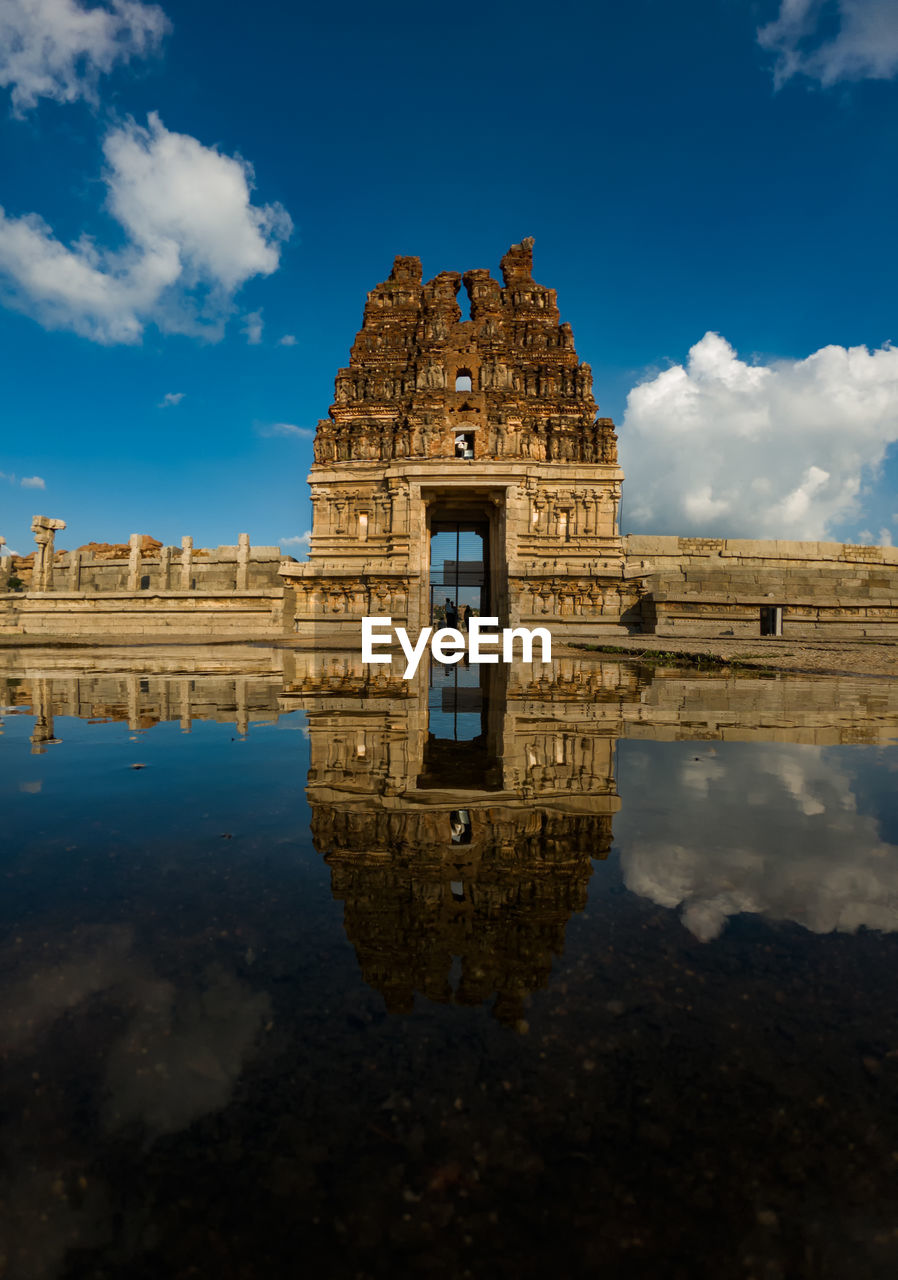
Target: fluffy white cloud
pixel 170 399
pixel 773 832
pixel 194 237
pixel 59 48
pixel 288 340
pixel 252 327
pixel 299 540
pixel 865 47
pixel 729 449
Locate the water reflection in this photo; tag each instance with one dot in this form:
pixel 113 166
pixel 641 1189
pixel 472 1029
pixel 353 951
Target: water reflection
pixel 645 923
pixel 774 833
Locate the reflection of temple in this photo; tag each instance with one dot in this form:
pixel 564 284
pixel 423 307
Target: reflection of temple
pixel 240 688
pixel 458 812
pixel 459 816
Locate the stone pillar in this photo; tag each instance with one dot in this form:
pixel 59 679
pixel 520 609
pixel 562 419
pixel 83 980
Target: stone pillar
pixel 134 561
pixel 5 565
pixel 242 561
pixel 165 569
pixel 75 571
pixel 44 530
pixel 186 561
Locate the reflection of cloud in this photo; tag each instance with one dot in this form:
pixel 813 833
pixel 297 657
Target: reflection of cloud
pixel 31 788
pixel 183 1054
pixel 774 832
pixel 174 1055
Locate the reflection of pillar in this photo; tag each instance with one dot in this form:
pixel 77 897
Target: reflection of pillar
pixel 134 561
pixel 165 700
pixel 184 689
pixel 186 561
pixel 42 706
pixel 242 561
pixel 240 700
pixel 133 686
pixel 44 530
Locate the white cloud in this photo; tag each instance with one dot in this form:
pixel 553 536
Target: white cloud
pixel 170 398
pixel 299 540
pixel 59 48
pixel 884 537
pixel 865 47
pixel 287 429
pixel 8 475
pixel 194 238
pixel 288 340
pixel 252 327
pixel 728 449
pixel 33 482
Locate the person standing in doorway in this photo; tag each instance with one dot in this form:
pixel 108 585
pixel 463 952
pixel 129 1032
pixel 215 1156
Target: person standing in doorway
pixel 451 614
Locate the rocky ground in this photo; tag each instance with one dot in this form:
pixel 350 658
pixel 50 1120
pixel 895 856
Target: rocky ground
pixel 843 657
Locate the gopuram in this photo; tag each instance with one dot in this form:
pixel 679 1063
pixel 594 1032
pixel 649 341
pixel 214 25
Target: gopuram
pixel 484 429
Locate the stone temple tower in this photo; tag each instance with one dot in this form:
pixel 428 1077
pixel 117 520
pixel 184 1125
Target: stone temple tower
pixel 486 427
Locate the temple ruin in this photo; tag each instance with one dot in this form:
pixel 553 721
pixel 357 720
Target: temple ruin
pixel 462 467
pixel 482 429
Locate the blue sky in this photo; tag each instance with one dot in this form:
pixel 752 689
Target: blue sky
pixel 682 177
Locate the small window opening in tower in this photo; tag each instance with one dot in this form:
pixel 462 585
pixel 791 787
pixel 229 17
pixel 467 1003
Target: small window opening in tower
pixel 463 380
pixel 464 444
pixel 562 526
pixel 363 527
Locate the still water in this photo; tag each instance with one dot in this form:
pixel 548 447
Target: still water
pixel 578 967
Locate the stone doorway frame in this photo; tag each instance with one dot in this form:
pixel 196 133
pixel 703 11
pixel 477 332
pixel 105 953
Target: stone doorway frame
pixel 474 505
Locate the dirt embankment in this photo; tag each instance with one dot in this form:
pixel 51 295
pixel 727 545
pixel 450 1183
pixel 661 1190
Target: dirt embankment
pixel 848 657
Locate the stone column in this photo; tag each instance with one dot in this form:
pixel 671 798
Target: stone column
pixel 75 571
pixel 5 565
pixel 165 569
pixel 242 561
pixel 134 561
pixel 186 561
pixel 44 530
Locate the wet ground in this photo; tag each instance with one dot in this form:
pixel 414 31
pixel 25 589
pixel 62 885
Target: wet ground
pixel 308 992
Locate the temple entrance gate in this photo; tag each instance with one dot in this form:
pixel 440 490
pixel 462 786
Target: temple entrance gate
pixel 478 432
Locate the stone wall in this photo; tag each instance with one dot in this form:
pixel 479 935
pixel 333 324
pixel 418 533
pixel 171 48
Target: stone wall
pixel 714 587
pixel 117 616
pixel 142 590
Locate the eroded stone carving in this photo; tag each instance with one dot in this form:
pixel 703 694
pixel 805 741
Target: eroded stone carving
pixel 492 418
